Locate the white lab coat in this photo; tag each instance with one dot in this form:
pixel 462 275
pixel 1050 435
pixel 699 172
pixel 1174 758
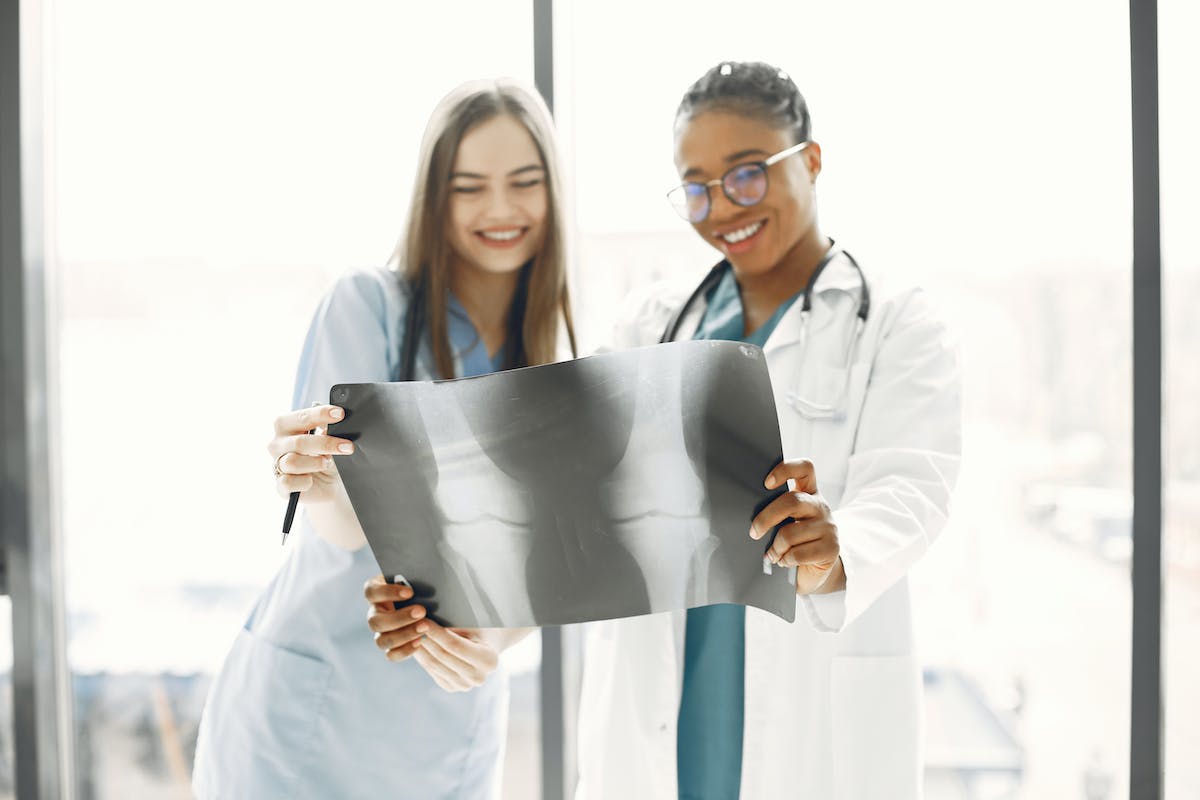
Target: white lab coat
pixel 832 701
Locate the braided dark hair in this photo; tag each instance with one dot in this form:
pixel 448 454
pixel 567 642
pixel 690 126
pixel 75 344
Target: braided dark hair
pixel 751 88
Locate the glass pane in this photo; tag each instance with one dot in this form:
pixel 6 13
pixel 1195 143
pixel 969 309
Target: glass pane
pixel 1179 121
pixel 963 152
pixel 523 756
pixel 8 765
pixel 216 166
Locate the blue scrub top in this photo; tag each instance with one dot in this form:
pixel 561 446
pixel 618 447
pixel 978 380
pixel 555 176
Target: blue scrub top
pixel 306 706
pixel 712 705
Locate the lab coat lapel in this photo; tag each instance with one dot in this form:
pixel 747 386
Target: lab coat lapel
pixel 789 329
pixel 838 276
pixel 691 320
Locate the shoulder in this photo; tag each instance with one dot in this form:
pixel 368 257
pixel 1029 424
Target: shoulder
pixel 901 303
pixel 355 333
pixel 646 311
pixel 907 312
pixel 378 290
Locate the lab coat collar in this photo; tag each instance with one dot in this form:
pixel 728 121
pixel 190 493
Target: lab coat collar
pixel 839 275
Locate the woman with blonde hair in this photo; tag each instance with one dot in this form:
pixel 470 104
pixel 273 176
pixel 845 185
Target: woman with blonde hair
pixel 304 706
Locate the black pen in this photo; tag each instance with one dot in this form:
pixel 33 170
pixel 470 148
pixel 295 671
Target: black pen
pixel 293 501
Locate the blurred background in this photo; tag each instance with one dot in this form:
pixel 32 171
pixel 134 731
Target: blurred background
pixel 214 166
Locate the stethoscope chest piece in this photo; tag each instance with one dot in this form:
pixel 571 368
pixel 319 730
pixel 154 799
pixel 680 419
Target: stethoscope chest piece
pixel 832 384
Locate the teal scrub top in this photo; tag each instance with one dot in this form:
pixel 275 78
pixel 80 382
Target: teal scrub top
pixel 305 705
pixel 711 708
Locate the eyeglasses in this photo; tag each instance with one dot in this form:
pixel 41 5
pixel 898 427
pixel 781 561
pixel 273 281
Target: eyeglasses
pixel 744 184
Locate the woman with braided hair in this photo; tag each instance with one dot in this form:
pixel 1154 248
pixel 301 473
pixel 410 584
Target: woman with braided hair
pixel 726 701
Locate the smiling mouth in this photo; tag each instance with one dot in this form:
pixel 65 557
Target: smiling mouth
pixel 742 234
pixel 501 237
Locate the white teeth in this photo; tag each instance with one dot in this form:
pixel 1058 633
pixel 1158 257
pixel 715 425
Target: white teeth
pixel 502 236
pixel 734 237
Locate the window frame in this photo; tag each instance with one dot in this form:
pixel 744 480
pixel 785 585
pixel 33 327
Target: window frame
pixel 30 557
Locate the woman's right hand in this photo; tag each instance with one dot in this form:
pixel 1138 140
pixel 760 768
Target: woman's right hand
pixel 303 460
pixel 398 631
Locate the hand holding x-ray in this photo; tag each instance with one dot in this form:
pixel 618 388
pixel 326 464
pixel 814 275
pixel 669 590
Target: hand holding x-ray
pixel 457 659
pixel 805 534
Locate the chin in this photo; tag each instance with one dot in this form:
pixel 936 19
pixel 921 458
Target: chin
pixel 753 264
pixel 498 267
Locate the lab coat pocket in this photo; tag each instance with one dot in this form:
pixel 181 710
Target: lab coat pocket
pixel 257 733
pixel 829 391
pixel 876 727
pixel 825 405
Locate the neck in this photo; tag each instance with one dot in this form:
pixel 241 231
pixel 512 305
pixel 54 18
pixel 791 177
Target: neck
pixel 487 298
pixel 762 294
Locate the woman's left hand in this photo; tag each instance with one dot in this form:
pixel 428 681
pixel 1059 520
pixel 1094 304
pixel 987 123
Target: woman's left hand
pixel 458 659
pixel 809 541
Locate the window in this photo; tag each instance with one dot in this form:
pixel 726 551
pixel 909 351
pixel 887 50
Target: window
pixel 963 151
pixel 8 767
pixel 216 166
pixel 1179 128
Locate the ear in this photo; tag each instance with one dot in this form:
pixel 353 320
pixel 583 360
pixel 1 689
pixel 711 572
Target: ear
pixel 812 159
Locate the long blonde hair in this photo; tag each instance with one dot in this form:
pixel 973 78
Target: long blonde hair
pixel 423 256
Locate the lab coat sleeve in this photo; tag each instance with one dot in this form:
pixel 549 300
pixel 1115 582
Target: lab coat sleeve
pixel 904 464
pixel 644 315
pixel 353 337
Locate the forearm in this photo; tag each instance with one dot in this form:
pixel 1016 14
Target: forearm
pixel 836 581
pixel 336 522
pixel 500 639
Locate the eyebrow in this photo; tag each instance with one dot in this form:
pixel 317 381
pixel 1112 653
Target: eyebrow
pixel 517 171
pixel 729 159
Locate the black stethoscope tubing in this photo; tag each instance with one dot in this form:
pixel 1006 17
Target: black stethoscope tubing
pixel 414 319
pixel 716 273
pixel 413 322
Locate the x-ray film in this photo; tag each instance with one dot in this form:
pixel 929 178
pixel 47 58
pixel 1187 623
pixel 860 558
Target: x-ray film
pixel 610 486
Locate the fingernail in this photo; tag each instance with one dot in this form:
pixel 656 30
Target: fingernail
pixel 424 626
pixel 404 593
pixel 769 482
pixel 345 447
pixel 336 412
pixel 753 533
pixel 418 612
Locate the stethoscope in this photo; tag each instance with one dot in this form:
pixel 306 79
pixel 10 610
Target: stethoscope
pixel 806 406
pixel 414 323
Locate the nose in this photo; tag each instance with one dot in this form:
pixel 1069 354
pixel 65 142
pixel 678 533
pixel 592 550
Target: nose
pixel 500 204
pixel 720 207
